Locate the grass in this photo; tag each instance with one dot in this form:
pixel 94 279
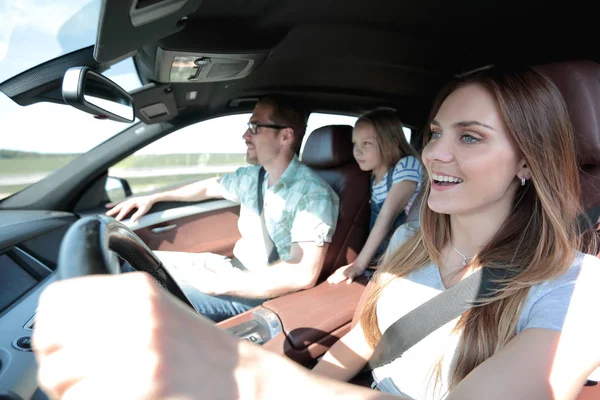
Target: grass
pixel 16 164
pixel 29 165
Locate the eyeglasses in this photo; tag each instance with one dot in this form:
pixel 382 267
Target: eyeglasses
pixel 254 127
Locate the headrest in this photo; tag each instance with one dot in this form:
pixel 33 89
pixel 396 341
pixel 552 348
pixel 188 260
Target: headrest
pixel 579 84
pixel 329 146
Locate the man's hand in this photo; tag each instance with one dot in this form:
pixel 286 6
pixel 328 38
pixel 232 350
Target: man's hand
pixel 346 273
pixel 122 337
pixel 143 205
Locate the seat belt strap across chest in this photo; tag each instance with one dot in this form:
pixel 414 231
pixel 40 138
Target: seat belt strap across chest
pixel 269 245
pixel 433 314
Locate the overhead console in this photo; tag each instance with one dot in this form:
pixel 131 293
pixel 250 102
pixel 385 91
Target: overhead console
pixel 174 66
pixel 155 102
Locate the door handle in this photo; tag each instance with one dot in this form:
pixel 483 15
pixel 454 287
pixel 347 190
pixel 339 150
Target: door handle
pixel 163 229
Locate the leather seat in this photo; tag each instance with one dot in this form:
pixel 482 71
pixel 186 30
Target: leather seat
pixel 579 84
pixel 328 151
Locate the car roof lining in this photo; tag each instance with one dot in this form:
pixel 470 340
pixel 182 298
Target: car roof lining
pixel 350 55
pixel 342 54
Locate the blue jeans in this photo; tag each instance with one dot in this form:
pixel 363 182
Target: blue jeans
pixel 182 267
pixel 218 308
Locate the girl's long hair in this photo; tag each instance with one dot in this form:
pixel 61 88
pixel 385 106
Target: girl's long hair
pixel 536 242
pixel 391 140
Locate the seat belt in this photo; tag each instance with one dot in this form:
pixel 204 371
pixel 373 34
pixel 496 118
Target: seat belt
pixel 270 246
pixel 435 313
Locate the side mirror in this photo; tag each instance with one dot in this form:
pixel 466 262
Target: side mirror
pixel 117 189
pixel 93 93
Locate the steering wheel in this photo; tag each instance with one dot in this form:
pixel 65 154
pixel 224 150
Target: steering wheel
pixel 91 246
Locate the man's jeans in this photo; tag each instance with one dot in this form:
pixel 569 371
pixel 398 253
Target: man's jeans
pixel 182 267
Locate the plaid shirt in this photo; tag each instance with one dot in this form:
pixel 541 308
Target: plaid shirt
pixel 299 207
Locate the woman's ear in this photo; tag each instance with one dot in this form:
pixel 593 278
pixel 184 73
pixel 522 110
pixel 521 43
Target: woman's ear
pixel 524 171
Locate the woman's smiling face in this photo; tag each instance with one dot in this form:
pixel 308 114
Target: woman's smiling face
pixel 470 157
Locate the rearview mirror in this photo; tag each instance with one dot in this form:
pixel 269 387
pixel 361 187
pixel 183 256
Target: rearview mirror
pixel 93 93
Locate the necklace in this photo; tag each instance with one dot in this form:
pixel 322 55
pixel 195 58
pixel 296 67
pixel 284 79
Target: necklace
pixel 465 260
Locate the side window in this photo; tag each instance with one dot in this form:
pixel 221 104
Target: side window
pixel 199 151
pixel 317 120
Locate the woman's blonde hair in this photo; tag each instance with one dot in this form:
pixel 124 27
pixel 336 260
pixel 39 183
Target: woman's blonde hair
pixel 537 240
pixel 391 140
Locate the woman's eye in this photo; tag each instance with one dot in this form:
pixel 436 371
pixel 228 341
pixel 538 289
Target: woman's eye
pixel 435 135
pixel 469 139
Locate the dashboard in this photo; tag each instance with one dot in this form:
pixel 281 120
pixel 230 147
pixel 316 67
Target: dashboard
pixel 29 247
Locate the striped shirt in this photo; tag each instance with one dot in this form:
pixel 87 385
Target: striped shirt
pixel 409 168
pixel 299 207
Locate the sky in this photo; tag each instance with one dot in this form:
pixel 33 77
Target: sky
pixel 35 31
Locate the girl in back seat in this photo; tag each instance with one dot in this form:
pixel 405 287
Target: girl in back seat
pixel 380 146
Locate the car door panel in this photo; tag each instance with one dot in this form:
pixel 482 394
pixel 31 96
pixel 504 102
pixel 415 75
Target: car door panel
pixel 209 226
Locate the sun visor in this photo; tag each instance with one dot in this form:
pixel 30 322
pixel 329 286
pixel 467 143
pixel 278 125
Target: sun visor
pixel 140 22
pixel 177 66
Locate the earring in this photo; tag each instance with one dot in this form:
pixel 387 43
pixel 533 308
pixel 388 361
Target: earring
pixel 523 180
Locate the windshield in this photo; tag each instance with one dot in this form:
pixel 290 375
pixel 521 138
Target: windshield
pixel 40 138
pixel 35 31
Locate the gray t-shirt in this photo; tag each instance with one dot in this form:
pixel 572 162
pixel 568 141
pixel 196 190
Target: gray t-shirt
pixel 545 307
